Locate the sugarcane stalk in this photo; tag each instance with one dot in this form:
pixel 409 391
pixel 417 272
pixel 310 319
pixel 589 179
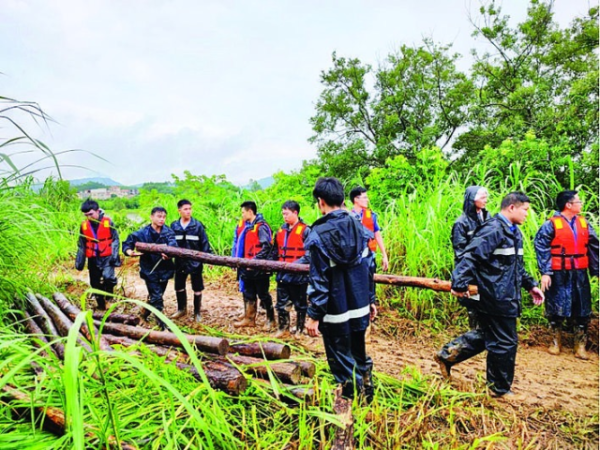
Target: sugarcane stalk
pixel 277 266
pixel 203 343
pixel 56 417
pixel 267 350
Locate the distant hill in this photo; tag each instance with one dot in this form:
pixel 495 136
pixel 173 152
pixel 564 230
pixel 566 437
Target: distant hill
pixel 263 183
pixel 99 180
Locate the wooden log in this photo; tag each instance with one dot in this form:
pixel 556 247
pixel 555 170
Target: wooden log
pixel 308 369
pixel 128 319
pixel 72 312
pixel 267 350
pixel 220 375
pixel 287 372
pixel 62 322
pixel 306 394
pixel 203 343
pixel 38 335
pixel 277 266
pixel 43 320
pixel 55 417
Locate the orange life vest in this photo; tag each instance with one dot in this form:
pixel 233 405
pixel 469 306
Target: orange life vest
pixel 369 223
pixel 568 252
pixel 98 243
pixel 252 244
pixel 293 249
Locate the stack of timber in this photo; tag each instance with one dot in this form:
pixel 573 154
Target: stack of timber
pixel 226 367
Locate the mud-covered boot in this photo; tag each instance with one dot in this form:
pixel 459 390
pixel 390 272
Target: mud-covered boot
pixel 197 307
pixel 243 315
pixel 556 346
pixel 445 366
pixel 181 304
pixel 580 341
pixel 284 326
pixel 300 321
pixel 250 316
pixel 271 318
pixel 100 302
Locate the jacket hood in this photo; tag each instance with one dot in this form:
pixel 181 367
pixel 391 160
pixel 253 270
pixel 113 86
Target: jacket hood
pixel 341 237
pixel 258 219
pixel 469 202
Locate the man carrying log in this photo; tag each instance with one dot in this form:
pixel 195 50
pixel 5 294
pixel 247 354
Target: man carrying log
pixel 99 244
pixel 252 240
pixel 340 303
pixel 291 287
pixel 189 234
pixel 155 269
pixel 493 261
pixel 567 249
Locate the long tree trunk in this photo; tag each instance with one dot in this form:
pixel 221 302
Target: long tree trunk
pixel 288 372
pixel 45 322
pixel 267 350
pixel 128 319
pixel 38 335
pixel 203 343
pixel 277 266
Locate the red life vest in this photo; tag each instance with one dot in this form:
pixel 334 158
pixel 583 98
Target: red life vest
pixel 568 253
pixel 369 223
pixel 98 243
pixel 252 244
pixel 293 249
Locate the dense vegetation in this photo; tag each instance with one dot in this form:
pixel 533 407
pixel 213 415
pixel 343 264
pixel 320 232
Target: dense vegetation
pixel 526 120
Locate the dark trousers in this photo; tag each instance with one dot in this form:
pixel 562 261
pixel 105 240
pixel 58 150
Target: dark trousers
pixel 196 278
pixel 349 363
pixel 497 335
pixel 156 290
pixel 258 287
pixel 102 279
pixel 289 295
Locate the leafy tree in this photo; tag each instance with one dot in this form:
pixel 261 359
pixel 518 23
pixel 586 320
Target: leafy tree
pixel 416 99
pixel 89 185
pixel 162 188
pixel 536 78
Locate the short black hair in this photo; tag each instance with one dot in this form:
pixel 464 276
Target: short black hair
pixel 563 198
pixel 292 206
pixel 330 190
pixel 249 205
pixel 158 209
pixel 183 202
pixel 89 204
pixel 514 198
pixel 356 192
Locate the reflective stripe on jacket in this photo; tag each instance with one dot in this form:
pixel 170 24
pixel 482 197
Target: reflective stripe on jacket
pixel 569 249
pixel 98 243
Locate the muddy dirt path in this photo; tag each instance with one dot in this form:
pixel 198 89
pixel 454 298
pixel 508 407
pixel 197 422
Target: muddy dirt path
pixel 550 382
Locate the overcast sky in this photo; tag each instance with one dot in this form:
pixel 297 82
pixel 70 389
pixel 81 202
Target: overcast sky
pixel 213 87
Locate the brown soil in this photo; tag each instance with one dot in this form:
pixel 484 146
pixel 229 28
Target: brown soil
pixel 552 383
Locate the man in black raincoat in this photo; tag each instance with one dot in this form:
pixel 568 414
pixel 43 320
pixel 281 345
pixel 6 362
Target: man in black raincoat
pixel 566 246
pixel 339 294
pixel 155 270
pixel 253 240
pixel 493 261
pixel 99 244
pixel 190 234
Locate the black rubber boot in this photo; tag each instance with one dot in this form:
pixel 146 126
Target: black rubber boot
pixel 271 318
pixel 284 325
pixel 197 307
pixel 181 304
pixel 300 321
pixel 100 302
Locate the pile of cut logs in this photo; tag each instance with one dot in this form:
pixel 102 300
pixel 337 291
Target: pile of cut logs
pixel 225 365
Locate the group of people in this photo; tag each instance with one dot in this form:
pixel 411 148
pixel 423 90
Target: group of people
pixel 337 297
pixel 489 254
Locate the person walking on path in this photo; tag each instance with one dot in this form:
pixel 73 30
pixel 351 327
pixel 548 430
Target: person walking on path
pixel 493 261
pixel 99 244
pixel 190 234
pixel 339 295
pixel 288 246
pixel 253 240
pixel 155 269
pixel 566 246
